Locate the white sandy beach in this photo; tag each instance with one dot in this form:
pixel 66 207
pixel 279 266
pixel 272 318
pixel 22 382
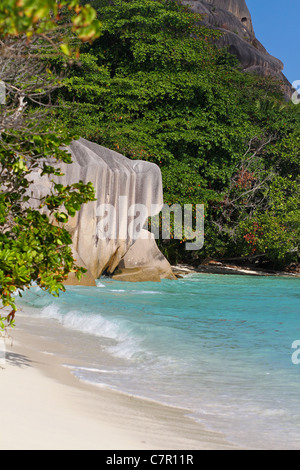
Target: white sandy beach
pixel 44 407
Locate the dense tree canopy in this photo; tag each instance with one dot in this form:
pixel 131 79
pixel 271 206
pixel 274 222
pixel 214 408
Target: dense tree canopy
pixel 154 87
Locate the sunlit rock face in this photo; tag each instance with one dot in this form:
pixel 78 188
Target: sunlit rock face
pixel 103 231
pixel 233 18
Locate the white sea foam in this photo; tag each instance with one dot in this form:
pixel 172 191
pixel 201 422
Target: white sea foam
pixel 99 284
pixel 146 292
pixel 52 311
pixel 125 344
pixel 87 369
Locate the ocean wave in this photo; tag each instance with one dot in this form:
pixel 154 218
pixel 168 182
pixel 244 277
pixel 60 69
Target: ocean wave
pixel 124 343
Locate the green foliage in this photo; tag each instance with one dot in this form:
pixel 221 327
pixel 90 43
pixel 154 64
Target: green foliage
pixel 34 243
pixel 154 87
pixel 275 232
pixel 32 247
pixel 40 17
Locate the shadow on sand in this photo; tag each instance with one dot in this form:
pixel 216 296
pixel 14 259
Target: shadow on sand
pixel 18 360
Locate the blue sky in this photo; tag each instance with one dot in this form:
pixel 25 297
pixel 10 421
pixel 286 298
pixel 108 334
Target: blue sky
pixel 276 25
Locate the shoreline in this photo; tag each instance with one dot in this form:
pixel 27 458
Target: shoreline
pixel 48 408
pixel 215 267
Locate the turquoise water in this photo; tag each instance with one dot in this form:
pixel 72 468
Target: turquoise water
pixel 219 346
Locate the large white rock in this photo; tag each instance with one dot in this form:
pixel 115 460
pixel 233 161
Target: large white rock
pixel 120 183
pixel 144 262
